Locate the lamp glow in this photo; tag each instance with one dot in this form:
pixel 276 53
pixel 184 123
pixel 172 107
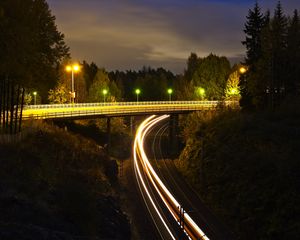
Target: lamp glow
pixel 73 69
pixel 137 92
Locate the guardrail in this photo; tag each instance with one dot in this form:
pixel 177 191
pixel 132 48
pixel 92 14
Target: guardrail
pixel 72 105
pixel 50 111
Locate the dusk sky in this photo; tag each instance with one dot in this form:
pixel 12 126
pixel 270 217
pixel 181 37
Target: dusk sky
pixel 130 34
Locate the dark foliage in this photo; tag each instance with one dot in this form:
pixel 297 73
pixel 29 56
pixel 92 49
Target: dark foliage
pixel 153 83
pixel 273 50
pixel 246 168
pixel 31 47
pixel 58 184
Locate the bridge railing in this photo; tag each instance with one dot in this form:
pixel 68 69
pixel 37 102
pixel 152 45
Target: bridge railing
pixel 49 111
pixel 102 104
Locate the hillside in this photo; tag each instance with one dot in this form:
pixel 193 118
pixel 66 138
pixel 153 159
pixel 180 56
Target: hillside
pixel 57 185
pixel 246 168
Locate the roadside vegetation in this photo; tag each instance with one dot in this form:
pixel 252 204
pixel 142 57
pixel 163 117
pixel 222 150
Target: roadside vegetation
pixel 245 166
pixel 59 185
pixel 96 130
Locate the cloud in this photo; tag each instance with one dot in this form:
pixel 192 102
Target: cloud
pixel 127 34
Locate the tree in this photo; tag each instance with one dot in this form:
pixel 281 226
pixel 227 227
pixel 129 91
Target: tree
pixel 293 55
pixel 232 91
pixel 279 35
pixel 100 82
pixel 59 95
pixel 212 74
pixel 260 74
pixel 253 27
pixel 31 47
pixel 270 72
pixel 89 72
pixel 192 64
pixel 183 89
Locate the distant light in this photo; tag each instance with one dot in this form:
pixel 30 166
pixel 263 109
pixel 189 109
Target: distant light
pixel 137 91
pixel 74 67
pixel 201 91
pixel 104 91
pixel 68 68
pixel 170 91
pixel 243 70
pixel 34 93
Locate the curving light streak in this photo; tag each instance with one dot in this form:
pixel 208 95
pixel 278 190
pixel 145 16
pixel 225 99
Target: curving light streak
pixel 191 228
pixel 139 176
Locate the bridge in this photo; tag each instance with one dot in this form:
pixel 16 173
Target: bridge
pixel 174 221
pixel 118 109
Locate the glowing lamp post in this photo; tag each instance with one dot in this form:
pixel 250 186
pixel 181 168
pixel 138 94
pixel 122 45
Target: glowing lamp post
pixel 242 70
pixel 34 95
pixel 137 92
pixel 201 92
pixel 104 92
pixel 170 91
pixel 73 69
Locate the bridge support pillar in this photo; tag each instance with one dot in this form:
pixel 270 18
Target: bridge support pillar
pixel 108 132
pixel 132 125
pixel 173 135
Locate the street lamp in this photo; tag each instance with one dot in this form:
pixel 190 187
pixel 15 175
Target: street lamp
pixel 170 91
pixel 137 92
pixel 201 92
pixel 243 70
pixel 104 94
pixel 73 69
pixel 34 95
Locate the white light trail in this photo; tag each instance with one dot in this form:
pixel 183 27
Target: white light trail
pixel 137 169
pixel 191 228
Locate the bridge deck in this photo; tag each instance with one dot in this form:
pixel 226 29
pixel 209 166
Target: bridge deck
pixel 90 110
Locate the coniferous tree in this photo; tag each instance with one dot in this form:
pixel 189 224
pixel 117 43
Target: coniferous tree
pixel 253 27
pixel 293 55
pixel 192 64
pixel 279 40
pixel 272 61
pixel 89 72
pixel 259 77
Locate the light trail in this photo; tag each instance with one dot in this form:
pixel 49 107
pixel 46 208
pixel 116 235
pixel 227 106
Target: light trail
pixel 192 230
pixel 138 171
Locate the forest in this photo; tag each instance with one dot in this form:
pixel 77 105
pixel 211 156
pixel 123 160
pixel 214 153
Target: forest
pixel 243 163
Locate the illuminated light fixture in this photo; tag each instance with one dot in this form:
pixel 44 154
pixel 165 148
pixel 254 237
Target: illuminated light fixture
pixel 201 92
pixel 34 95
pixel 242 70
pixel 73 69
pixel 137 92
pixel 104 91
pixel 170 91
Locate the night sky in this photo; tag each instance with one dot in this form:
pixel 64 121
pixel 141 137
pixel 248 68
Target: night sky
pixel 129 34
